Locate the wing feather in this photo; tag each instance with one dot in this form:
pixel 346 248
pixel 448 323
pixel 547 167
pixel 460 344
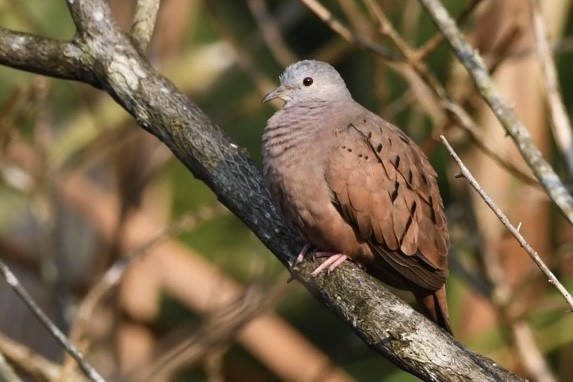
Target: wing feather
pixel 385 188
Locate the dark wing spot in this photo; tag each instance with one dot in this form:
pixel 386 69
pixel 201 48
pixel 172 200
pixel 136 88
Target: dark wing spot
pixel 408 224
pixel 397 161
pixel 394 193
pixel 379 147
pixel 433 211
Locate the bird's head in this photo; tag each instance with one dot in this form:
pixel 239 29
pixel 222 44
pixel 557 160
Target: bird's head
pixel 309 80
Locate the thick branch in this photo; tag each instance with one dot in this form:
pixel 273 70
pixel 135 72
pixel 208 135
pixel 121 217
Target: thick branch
pixel 54 58
pixel 396 330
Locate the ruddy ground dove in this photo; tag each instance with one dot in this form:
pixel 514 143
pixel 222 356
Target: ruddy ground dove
pixel 355 186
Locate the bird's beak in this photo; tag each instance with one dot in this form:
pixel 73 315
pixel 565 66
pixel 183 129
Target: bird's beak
pixel 274 94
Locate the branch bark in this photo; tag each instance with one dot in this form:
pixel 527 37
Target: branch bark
pixel 105 57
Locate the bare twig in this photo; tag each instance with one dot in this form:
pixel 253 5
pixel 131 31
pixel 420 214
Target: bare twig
pixel 560 120
pixel 463 120
pixel 437 39
pixel 7 373
pixel 328 18
pixel 32 363
pixel 529 353
pixel 424 84
pixel 473 63
pixel 514 231
pixel 144 22
pixel 456 112
pixel 353 12
pixel 243 57
pixel 13 282
pixel 271 32
pixel 115 273
pixel 221 326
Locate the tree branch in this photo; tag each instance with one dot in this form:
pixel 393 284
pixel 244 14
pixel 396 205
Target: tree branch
pixel 32 363
pixel 351 37
pixel 13 282
pixel 473 63
pixel 144 22
pixel 54 58
pixel 512 229
pixel 560 120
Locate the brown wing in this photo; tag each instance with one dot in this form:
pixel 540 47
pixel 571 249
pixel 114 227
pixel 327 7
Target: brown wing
pixel 384 186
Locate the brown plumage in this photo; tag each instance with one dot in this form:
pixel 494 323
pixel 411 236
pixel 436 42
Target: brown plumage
pixel 356 186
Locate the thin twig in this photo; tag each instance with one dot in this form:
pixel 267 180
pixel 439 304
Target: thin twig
pixel 531 356
pixel 115 273
pixel 421 80
pixel 456 112
pixel 144 21
pixel 221 326
pixel 271 33
pixel 243 57
pixel 464 121
pixel 560 120
pixel 437 39
pixel 7 372
pixel 514 231
pixel 328 18
pixel 353 13
pixel 13 282
pixel 32 363
pixel 473 63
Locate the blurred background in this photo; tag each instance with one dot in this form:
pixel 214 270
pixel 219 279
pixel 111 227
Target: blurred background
pixel 156 281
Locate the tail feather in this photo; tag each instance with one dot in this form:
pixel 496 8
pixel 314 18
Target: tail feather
pixel 435 306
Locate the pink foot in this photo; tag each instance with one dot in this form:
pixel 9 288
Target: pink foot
pixel 334 261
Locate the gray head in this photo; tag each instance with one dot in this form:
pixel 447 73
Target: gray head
pixel 309 80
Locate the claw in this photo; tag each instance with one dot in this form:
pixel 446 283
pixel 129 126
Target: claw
pixel 303 253
pixel 299 259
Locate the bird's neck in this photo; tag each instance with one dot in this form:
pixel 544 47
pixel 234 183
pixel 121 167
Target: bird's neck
pixel 299 126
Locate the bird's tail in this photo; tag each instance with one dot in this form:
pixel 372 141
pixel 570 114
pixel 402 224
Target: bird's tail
pixel 435 306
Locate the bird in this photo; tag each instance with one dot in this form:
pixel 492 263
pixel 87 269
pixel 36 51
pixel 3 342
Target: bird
pixel 355 186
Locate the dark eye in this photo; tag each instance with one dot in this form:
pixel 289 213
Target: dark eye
pixel 307 81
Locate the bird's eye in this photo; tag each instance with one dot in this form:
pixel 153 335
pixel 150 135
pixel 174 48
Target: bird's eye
pixel 307 81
